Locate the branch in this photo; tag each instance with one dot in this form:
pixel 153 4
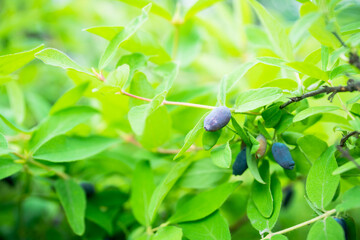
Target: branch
pixel 354 59
pixel 347 136
pixel 49 169
pixel 350 87
pixel 325 215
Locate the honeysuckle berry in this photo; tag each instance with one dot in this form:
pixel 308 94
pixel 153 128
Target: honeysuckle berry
pixel 217 119
pixel 342 223
pixel 262 148
pixel 282 156
pixel 88 188
pixel 240 164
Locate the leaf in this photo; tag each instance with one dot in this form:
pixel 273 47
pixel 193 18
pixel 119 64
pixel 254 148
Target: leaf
pixel 72 198
pixel 168 72
pixel 300 28
pixel 60 123
pixel 212 227
pixel 275 31
pixel 321 185
pixel 12 62
pixel 69 98
pixel 273 61
pixel 155 9
pixel 54 57
pixel 327 229
pixel 199 6
pixel 272 115
pixel 165 186
pixel 67 149
pixel 96 215
pixel 169 232
pixel 312 111
pixel 230 80
pixel 209 139
pixel 311 146
pixel 122 36
pixel 8 167
pixel 221 156
pixel 202 204
pixel 204 174
pixel 346 167
pixel 17 101
pixel 142 187
pixel 309 69
pixel 14 126
pixel 118 77
pixel 191 136
pixel 261 193
pixel 255 98
pixel 350 200
pixel 253 166
pixel 256 219
pixel 240 131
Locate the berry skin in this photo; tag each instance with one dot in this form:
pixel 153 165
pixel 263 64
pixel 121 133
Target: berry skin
pixel 282 155
pixel 240 164
pixel 88 188
pixel 342 222
pixel 217 119
pixel 262 149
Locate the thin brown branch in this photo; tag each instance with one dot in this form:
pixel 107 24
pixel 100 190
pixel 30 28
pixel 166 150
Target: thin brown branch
pixel 345 153
pixel 350 87
pixel 347 136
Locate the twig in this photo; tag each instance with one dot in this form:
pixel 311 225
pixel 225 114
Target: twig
pixel 49 169
pixel 350 87
pixel 345 153
pixel 325 215
pixel 340 40
pixel 347 136
pixel 354 59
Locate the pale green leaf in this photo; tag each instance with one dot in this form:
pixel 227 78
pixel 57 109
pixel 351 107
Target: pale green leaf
pixel 66 149
pixel 155 9
pixel 17 101
pixel 327 229
pixel 300 28
pixel 169 232
pixel 199 6
pixel 347 167
pixel 313 111
pixel 8 167
pixel 350 200
pixel 122 36
pixel 12 62
pixel 221 156
pixel 309 69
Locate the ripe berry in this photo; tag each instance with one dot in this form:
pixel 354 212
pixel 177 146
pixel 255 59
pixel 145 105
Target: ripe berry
pixel 240 164
pixel 217 119
pixel 88 188
pixel 282 155
pixel 342 222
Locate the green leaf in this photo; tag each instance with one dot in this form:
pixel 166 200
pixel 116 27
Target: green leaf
pixel 122 36
pixel 212 227
pixel 169 232
pixel 209 139
pixel 255 98
pixel 142 187
pixel 191 136
pixel 60 123
pixel 8 167
pixel 204 174
pixel 272 115
pixel 321 185
pixel 350 200
pixel 202 204
pixel 12 62
pixel 311 146
pixel 67 149
pixel 309 69
pixel 118 77
pixel 300 28
pixel 261 193
pixel 327 229
pixel 275 31
pixel 221 156
pixel 312 111
pixel 240 131
pixel 230 80
pixel 69 98
pixel 165 186
pixel 168 72
pixel 279 237
pixel 273 61
pixel 199 6
pixel 256 219
pixel 17 101
pixel 101 218
pixel 155 9
pixel 3 145
pixel 346 167
pixel 253 165
pixel 14 126
pixel 54 57
pixel 342 70
pixel 72 198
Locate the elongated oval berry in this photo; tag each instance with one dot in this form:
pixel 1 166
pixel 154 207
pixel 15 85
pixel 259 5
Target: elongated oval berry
pixel 282 155
pixel 342 223
pixel 88 188
pixel 217 119
pixel 240 164
pixel 262 148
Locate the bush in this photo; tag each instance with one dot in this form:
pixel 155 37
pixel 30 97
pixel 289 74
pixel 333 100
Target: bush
pixel 132 129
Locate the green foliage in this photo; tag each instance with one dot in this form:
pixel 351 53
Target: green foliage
pixel 127 111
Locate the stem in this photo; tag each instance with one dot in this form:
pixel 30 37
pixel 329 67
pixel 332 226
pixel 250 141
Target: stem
pixel 49 169
pixel 325 215
pixel 161 226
